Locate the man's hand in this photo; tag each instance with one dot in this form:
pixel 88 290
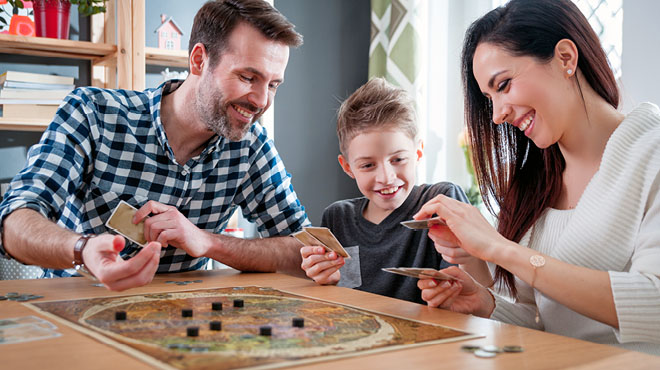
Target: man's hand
pixel 101 257
pixel 169 227
pixel 322 267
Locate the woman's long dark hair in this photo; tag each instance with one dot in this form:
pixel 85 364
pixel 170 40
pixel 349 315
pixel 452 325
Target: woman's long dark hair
pixel 522 179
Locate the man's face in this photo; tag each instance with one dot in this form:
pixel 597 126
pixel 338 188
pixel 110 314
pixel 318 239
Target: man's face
pixel 242 85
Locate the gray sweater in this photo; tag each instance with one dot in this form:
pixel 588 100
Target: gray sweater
pixel 387 244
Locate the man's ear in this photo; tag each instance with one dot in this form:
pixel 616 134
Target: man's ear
pixel 567 54
pixel 420 149
pixel 343 162
pixel 198 59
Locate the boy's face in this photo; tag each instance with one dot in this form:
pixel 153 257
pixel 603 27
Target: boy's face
pixel 383 164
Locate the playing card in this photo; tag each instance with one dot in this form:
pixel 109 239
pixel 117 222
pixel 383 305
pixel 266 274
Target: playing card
pixel 419 273
pixel 423 224
pixel 307 239
pixel 121 222
pixel 328 239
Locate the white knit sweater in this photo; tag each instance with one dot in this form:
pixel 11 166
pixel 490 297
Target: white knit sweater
pixel 616 228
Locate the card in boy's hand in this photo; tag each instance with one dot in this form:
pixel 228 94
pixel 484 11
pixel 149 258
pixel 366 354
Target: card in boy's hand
pixel 328 239
pixel 321 236
pixel 420 273
pixel 121 222
pixel 423 224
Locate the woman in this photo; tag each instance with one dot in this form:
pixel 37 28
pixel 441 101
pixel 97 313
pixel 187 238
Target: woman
pixel 576 182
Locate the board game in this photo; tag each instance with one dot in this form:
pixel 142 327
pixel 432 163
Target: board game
pixel 239 327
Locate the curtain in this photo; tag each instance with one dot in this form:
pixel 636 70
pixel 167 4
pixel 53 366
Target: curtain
pixel 397 53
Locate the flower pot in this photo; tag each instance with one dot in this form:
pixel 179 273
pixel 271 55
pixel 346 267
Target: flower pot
pixel 51 18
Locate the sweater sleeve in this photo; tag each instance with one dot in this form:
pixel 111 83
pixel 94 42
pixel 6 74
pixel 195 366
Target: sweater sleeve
pixel 522 312
pixel 637 291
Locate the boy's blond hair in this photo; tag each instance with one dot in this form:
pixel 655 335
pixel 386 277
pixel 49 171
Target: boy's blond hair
pixel 376 104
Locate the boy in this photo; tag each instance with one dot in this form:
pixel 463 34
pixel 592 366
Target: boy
pixel 380 150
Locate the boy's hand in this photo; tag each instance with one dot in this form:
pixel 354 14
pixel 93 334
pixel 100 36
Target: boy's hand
pixel 320 266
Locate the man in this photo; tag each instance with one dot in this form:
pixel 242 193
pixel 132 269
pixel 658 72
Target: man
pixel 186 154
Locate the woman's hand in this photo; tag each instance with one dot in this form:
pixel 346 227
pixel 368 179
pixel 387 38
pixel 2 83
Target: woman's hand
pixel 463 296
pixel 466 231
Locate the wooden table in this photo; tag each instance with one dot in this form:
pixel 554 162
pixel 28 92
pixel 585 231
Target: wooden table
pixel 74 350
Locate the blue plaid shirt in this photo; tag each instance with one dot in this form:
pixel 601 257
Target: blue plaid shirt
pixel 104 146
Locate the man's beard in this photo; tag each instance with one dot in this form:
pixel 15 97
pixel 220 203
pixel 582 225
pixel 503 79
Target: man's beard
pixel 212 109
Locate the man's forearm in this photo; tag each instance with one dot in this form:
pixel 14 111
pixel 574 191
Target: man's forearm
pixel 32 239
pixel 264 255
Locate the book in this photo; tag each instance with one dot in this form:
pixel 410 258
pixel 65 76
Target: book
pixel 35 77
pixel 36 85
pixel 33 94
pixel 25 111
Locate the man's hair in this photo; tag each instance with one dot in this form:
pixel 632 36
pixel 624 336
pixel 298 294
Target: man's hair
pixel 375 105
pixel 216 20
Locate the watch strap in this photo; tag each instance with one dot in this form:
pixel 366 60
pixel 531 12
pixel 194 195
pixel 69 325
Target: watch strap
pixel 78 249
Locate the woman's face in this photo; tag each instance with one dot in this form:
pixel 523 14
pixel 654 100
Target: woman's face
pixel 532 96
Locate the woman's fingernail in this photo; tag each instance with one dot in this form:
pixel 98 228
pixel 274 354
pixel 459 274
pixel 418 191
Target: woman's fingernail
pixel 446 284
pixel 433 283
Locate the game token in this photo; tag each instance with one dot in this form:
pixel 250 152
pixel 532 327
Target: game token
pixel 120 315
pixel 3 298
pixel 216 306
pixel 187 312
pixel 512 349
pixel 215 325
pixel 238 303
pixel 470 348
pixel 265 330
pixel 298 322
pixel 192 331
pixel 484 354
pixel 492 348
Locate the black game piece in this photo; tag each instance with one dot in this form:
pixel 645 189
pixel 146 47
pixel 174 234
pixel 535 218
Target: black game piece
pixel 266 331
pixel 192 331
pixel 216 306
pixel 298 322
pixel 120 315
pixel 215 325
pixel 238 303
pixel 187 312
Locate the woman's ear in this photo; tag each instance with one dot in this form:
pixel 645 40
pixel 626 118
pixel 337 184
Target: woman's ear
pixel 566 54
pixel 343 162
pixel 197 59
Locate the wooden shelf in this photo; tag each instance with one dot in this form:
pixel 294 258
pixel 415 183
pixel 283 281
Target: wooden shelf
pixel 164 57
pixel 43 46
pixel 23 124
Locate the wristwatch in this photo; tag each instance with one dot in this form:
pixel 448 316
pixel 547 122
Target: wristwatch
pixel 78 263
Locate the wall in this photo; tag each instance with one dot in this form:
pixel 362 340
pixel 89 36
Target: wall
pixel 640 77
pixel 331 64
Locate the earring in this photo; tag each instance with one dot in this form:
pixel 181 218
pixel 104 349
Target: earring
pixel 570 72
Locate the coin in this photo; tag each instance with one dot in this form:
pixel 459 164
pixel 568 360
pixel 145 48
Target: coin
pixel 484 354
pixel 492 348
pixel 470 347
pixel 512 349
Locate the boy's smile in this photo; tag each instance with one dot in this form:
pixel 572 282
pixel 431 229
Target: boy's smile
pixel 383 163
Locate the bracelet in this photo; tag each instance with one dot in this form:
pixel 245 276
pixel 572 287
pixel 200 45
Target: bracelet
pixel 537 261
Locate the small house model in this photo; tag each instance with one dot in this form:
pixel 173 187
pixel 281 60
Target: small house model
pixel 169 33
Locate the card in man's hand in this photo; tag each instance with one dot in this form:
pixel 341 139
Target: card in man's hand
pixel 423 224
pixel 321 236
pixel 420 273
pixel 121 222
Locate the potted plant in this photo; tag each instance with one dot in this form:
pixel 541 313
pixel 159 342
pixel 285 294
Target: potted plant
pixel 51 17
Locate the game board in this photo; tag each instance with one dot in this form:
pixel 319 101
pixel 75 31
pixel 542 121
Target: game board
pixel 156 332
